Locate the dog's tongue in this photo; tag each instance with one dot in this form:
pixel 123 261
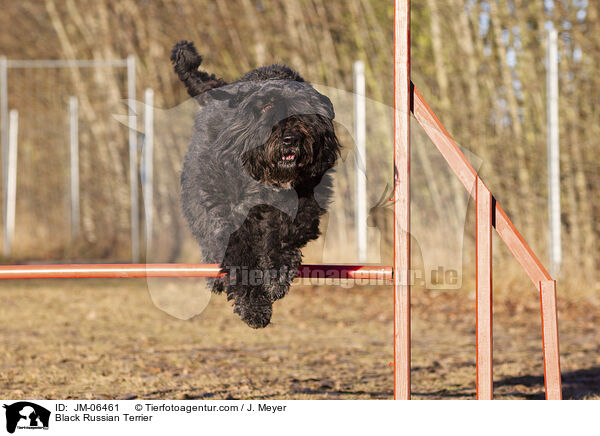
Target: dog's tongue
pixel 287 157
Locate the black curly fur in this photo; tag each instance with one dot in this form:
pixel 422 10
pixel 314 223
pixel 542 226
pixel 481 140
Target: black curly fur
pixel 255 178
pixel 274 71
pixel 186 61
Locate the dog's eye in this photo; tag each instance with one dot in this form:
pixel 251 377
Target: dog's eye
pixel 267 107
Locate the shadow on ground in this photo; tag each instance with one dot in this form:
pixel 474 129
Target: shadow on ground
pixel 577 385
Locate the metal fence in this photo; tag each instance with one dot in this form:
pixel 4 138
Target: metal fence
pixel 9 164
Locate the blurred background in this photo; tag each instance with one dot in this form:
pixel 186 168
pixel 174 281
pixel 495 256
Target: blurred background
pixel 479 63
pixel 482 67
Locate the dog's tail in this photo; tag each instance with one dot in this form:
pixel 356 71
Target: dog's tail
pixel 186 61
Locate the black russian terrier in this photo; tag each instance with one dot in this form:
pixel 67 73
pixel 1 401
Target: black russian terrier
pixel 255 178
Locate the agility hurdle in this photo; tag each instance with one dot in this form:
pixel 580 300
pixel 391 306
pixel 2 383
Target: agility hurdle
pixel 142 270
pixel 489 214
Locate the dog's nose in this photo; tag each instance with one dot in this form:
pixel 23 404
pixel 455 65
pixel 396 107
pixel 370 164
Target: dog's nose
pixel 288 139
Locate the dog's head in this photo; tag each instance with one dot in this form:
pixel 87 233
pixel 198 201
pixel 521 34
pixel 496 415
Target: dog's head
pixel 281 130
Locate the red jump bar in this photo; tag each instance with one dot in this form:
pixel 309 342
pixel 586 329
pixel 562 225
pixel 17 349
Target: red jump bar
pixel 364 272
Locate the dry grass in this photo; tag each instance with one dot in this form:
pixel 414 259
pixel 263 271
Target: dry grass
pixel 105 339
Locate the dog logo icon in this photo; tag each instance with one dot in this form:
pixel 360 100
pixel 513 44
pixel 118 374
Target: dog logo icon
pixel 26 415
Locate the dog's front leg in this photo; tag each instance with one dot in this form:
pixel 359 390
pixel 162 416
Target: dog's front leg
pixel 278 253
pixel 245 276
pixel 291 236
pixel 279 277
pixel 219 241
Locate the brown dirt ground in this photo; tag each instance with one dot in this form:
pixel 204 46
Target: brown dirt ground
pixel 104 339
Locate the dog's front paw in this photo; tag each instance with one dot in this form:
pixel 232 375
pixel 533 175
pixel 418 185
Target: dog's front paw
pixel 257 316
pixel 278 291
pixel 277 282
pixel 279 288
pixel 251 303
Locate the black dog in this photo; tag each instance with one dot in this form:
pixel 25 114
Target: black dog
pixel 254 181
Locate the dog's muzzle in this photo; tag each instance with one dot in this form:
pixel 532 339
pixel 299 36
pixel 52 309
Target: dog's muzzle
pixel 290 151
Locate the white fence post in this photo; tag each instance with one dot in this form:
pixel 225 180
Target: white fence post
pixel 148 158
pixel 133 162
pixel 360 137
pixel 74 164
pixel 555 248
pixel 11 182
pixel 129 64
pixel 4 126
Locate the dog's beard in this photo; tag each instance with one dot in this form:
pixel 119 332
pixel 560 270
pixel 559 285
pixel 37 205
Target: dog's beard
pixel 286 155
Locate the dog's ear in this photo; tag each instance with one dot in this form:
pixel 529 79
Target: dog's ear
pixel 324 100
pixel 326 155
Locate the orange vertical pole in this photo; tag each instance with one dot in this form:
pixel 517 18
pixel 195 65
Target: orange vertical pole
pixel 402 99
pixel 552 377
pixel 483 248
